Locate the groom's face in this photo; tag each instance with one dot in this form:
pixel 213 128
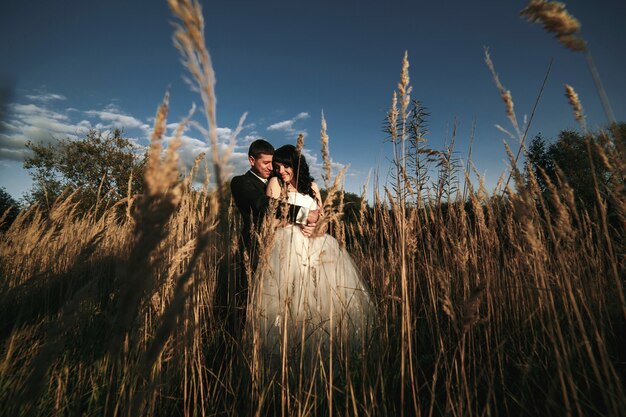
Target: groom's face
pixel 262 166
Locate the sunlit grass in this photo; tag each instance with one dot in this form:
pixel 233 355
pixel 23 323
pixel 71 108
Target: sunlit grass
pixel 492 304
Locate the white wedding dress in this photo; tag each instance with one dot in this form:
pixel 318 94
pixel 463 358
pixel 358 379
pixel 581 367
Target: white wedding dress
pixel 308 293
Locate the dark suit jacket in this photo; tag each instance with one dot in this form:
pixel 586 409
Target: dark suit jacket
pixel 249 194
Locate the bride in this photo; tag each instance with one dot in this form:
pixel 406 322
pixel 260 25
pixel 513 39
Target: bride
pixel 307 291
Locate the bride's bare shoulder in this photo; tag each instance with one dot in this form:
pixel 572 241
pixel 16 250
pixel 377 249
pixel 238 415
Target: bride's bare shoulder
pixel 273 188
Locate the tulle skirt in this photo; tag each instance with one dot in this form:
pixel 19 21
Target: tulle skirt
pixel 308 294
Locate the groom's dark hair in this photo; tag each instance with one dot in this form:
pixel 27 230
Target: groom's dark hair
pixel 260 146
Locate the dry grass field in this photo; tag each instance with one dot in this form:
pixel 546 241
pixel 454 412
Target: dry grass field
pixel 500 304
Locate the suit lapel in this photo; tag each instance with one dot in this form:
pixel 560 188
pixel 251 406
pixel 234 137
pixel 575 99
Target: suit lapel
pixel 256 181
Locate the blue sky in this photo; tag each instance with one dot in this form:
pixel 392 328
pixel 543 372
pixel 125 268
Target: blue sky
pixel 74 65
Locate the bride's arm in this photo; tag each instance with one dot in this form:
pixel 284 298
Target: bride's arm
pixel 318 198
pixel 273 191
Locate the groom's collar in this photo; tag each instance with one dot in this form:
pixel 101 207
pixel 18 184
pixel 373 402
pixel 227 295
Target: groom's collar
pixel 264 180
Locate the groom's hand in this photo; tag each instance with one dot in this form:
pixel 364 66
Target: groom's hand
pixel 311 221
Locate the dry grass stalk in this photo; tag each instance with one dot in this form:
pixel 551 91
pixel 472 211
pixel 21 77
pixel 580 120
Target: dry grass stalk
pixel 189 40
pixel 392 118
pixel 338 224
pixel 160 177
pixel 328 208
pixel 300 143
pixel 470 307
pixel 505 94
pixel 556 19
pixel 508 101
pixel 177 305
pixel 574 102
pixel 189 179
pixel 4 215
pixel 404 88
pixel 129 198
pixel 232 142
pixel 162 195
pixel 325 153
pixel 363 205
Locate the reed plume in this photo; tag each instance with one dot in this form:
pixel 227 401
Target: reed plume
pixel 556 20
pixel 189 40
pixel 505 94
pixel 574 102
pixel 325 153
pixel 404 86
pixel 566 28
pixel 300 143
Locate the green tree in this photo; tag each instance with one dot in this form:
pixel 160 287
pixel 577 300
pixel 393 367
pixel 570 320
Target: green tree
pixel 97 168
pixel 537 159
pixel 570 155
pixel 9 209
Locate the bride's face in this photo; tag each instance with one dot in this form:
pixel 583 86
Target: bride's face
pixel 285 172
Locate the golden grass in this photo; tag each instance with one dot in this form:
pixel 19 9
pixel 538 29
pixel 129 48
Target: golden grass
pixel 488 305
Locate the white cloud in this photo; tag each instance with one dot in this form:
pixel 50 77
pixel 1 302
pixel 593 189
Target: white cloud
pixel 245 141
pixel 45 97
pixel 284 125
pixel 112 107
pixel 287 125
pixel 36 123
pixel 224 132
pixel 13 154
pixel 239 162
pixel 117 119
pixel 12 142
pixel 44 122
pixel 39 121
pixel 24 110
pixel 146 129
pixel 189 150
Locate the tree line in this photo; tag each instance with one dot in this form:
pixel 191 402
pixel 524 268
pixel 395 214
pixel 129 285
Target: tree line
pixel 102 168
pixel 580 160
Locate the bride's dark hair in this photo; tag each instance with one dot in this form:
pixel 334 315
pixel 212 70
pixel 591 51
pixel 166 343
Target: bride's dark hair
pixel 289 156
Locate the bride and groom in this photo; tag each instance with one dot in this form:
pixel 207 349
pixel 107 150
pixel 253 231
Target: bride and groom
pixel 307 288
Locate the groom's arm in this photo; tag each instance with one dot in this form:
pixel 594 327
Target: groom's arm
pixel 248 197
